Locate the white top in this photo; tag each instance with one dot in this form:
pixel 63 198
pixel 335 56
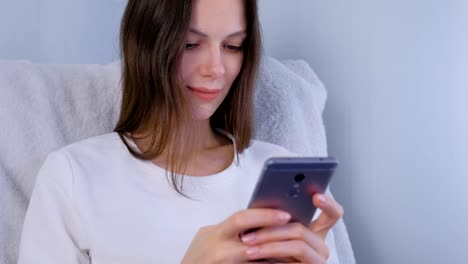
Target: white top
pixel 93 202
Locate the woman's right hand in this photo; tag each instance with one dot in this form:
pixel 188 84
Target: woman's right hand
pixel 221 243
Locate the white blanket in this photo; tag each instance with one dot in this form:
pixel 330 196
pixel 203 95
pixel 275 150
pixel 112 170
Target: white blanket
pixel 44 107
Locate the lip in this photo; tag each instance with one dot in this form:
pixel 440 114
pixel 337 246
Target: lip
pixel 204 93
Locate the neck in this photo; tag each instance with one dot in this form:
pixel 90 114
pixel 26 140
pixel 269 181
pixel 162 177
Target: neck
pixel 210 148
pixel 206 137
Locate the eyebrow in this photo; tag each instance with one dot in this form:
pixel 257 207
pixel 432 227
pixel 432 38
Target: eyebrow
pixel 198 32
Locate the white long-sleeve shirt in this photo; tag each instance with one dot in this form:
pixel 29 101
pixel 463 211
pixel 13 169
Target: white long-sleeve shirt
pixel 93 202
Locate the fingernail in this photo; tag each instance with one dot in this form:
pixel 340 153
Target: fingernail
pixel 248 238
pixel 252 251
pixel 284 217
pixel 321 198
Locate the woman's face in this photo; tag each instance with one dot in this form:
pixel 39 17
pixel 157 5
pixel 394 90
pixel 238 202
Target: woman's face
pixel 213 55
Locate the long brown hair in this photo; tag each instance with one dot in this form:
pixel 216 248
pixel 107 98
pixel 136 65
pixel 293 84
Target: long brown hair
pixel 152 42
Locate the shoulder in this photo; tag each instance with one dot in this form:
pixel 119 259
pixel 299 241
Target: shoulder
pixel 259 147
pixel 259 151
pixel 95 151
pixel 97 155
pixel 61 165
pixel 102 144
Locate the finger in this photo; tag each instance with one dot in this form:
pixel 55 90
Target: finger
pixel 295 249
pixel 231 252
pixel 291 231
pixel 332 211
pixel 253 218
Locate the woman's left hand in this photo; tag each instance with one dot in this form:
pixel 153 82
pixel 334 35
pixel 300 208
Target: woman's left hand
pixel 293 242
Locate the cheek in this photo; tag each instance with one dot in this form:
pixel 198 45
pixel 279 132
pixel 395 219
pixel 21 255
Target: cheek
pixel 233 67
pixel 186 67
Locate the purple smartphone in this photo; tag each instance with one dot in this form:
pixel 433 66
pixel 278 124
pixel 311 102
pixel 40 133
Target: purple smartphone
pixel 289 183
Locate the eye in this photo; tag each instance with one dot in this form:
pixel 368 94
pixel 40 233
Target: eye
pixel 191 45
pixel 233 48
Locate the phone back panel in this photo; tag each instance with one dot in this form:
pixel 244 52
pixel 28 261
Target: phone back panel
pixel 281 185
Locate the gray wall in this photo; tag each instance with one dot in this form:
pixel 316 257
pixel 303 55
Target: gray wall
pixel 397 116
pixel 60 31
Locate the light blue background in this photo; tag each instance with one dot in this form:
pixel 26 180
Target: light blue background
pixel 397 115
pixel 60 31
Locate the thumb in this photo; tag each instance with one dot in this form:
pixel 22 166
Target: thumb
pixel 332 211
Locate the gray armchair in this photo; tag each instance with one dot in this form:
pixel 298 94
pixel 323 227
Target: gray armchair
pixel 44 107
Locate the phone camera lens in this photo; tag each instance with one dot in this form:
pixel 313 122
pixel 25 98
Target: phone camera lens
pixel 299 177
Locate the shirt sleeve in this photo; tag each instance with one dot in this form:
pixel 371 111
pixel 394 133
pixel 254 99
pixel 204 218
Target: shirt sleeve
pixel 53 231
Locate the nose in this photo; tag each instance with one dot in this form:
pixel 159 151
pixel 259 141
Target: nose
pixel 214 65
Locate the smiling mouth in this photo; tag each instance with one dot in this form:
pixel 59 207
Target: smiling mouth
pixel 203 93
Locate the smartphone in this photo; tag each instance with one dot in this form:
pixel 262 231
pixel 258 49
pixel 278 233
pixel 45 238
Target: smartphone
pixel 288 184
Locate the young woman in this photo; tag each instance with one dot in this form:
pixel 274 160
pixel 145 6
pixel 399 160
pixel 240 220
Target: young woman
pixel 171 184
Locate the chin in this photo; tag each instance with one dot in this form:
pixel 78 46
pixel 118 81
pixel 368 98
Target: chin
pixel 203 114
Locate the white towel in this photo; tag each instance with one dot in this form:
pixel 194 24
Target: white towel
pixel 289 102
pixel 44 107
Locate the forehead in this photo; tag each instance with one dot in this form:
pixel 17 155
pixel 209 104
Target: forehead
pixel 218 17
